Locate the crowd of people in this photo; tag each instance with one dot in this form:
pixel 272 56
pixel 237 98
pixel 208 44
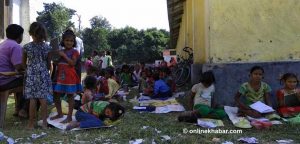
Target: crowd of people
pixel 99 88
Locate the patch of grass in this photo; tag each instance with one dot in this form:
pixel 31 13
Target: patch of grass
pixel 131 127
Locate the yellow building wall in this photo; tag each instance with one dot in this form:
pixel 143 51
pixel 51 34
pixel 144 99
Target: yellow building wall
pixel 192 30
pixel 254 30
pixel 221 31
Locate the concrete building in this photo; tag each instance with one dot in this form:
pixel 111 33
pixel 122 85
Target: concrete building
pixel 231 36
pixel 14 12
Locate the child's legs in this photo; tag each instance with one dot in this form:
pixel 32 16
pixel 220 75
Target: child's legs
pixel 44 113
pixel 208 112
pixel 71 103
pixel 203 110
pixel 87 120
pixel 57 102
pixel 218 113
pixel 32 113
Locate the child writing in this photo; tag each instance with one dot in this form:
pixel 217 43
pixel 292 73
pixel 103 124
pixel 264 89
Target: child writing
pixel 290 107
pixel 37 77
pixel 202 101
pixel 68 81
pixel 94 113
pixel 253 91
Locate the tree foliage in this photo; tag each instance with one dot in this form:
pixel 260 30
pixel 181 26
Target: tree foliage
pixel 56 18
pixel 95 38
pixel 130 45
pixel 100 22
pixel 127 44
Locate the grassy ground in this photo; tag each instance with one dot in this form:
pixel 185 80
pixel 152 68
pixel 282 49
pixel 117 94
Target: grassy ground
pixel 157 125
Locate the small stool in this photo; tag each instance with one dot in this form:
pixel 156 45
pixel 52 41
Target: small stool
pixel 3 102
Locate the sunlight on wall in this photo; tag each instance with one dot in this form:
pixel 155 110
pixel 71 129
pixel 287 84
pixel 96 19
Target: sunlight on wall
pixel 254 30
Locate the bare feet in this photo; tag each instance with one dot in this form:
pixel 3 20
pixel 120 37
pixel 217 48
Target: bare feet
pixel 56 117
pixel 67 120
pixel 45 125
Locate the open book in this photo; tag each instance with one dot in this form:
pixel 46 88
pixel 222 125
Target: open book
pixel 261 107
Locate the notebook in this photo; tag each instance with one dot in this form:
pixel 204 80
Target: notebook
pixel 291 100
pixel 261 107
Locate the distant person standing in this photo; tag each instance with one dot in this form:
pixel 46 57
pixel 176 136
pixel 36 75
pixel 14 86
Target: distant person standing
pixel 96 60
pixel 88 64
pixel 109 59
pixel 104 60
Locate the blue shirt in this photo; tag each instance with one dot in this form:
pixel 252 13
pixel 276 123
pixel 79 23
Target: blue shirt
pixel 160 86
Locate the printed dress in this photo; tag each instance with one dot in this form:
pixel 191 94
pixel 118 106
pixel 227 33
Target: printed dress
pixel 67 79
pixel 37 77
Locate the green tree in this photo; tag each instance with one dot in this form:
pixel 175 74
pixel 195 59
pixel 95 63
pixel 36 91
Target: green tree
pixel 95 38
pixel 100 22
pixel 131 45
pixel 56 18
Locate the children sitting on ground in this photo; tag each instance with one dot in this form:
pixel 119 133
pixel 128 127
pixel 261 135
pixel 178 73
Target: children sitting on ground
pixel 160 89
pixel 126 76
pixel 93 114
pixel 111 85
pixel 165 74
pixel 136 74
pixel 143 81
pixel 202 101
pixel 253 91
pixel 289 96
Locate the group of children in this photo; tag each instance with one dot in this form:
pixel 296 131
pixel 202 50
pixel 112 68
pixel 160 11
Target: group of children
pixel 101 86
pixel 249 92
pixel 38 84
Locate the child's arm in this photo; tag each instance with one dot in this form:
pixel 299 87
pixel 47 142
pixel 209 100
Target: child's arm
pixel 213 102
pixel 246 109
pixel 24 58
pixel 280 98
pixel 155 89
pixel 267 99
pixel 71 62
pixel 239 103
pixel 191 100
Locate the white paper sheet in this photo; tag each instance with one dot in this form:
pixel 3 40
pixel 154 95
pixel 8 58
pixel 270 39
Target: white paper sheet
pixel 261 107
pixel 169 108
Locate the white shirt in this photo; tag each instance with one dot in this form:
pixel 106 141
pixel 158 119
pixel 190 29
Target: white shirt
pixel 203 95
pixel 79 47
pixel 104 62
